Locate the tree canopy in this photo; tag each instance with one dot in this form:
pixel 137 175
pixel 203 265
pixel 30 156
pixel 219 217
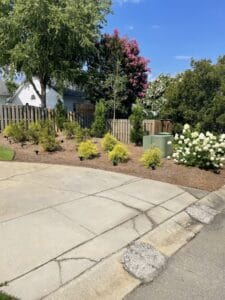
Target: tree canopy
pixel 116 62
pixel 49 39
pixel 197 97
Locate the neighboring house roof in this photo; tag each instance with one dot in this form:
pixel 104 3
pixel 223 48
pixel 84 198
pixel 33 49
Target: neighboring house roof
pixel 3 89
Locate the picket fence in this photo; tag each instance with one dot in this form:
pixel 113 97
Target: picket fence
pixel 120 128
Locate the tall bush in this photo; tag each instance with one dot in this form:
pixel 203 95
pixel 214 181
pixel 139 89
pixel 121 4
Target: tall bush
pixel 99 125
pixel 60 114
pixel 136 120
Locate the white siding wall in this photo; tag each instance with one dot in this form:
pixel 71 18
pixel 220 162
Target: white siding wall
pixel 26 94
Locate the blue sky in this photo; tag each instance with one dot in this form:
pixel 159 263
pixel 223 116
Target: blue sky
pixel 170 32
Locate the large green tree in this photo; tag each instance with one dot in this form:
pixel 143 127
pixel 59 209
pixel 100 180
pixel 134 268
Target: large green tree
pixel 49 39
pixel 197 97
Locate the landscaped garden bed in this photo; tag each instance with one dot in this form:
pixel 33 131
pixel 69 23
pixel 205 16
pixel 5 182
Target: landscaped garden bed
pixel 169 171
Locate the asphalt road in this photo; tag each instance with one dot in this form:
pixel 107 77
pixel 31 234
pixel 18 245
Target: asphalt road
pixel 196 272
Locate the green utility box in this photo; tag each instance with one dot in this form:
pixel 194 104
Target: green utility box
pixel 159 140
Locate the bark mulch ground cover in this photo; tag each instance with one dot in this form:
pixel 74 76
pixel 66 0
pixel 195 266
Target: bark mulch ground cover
pixel 167 172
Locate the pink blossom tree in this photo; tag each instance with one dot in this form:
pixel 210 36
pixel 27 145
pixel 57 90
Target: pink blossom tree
pixel 111 51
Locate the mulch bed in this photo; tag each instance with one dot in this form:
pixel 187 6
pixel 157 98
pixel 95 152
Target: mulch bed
pixel 168 172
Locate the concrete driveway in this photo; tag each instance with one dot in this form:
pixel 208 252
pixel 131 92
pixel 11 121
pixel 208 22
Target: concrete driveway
pixel 59 223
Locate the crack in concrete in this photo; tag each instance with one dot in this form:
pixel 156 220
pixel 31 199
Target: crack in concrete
pixel 118 201
pixel 21 174
pixel 60 272
pixel 76 258
pixel 134 226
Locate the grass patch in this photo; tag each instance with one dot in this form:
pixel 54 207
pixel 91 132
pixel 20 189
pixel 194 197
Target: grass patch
pixel 3 296
pixel 7 155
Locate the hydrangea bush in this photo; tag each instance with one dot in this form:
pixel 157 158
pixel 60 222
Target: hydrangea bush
pixel 206 151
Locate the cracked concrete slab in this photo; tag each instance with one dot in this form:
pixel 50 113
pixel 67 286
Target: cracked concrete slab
pixel 28 242
pixel 96 213
pixel 159 214
pixel 21 198
pixel 106 281
pixel 64 229
pixel 154 192
pixel 126 199
pixel 179 203
pixel 35 284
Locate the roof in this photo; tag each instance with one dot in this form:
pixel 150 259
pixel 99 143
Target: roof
pixel 3 89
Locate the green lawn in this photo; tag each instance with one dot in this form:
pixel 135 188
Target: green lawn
pixel 3 296
pixel 6 153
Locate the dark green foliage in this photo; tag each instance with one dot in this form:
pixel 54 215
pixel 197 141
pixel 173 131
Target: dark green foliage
pixel 197 97
pixel 60 114
pixel 136 120
pixel 99 125
pixel 48 137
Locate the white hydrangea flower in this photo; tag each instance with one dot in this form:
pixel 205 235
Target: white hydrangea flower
pixel 186 127
pixel 180 142
pixel 169 143
pixel 201 136
pixel 212 158
pixel 168 157
pixel 182 137
pixel 221 165
pixel 176 137
pixel 194 134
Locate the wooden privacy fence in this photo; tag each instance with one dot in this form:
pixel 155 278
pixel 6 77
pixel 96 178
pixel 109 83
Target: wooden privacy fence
pixel 17 113
pixel 120 128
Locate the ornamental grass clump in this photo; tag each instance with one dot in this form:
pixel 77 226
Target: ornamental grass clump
pixel 109 142
pixel 17 132
pixel 87 150
pixel 206 151
pixel 119 154
pixel 151 158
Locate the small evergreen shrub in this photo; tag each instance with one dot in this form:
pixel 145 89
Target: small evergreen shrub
pixel 48 137
pixel 87 150
pixel 17 132
pixel 70 129
pixel 109 142
pixel 99 125
pixel 60 114
pixel 151 157
pixel 119 154
pixel 34 132
pixel 136 119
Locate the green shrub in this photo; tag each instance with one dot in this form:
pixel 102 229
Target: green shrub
pixel 119 154
pixel 87 150
pixel 48 137
pixel 151 157
pixel 70 129
pixel 60 114
pixel 109 142
pixel 136 119
pixel 17 132
pixel 34 132
pixel 99 125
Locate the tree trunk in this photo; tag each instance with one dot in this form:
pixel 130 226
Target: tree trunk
pixel 43 93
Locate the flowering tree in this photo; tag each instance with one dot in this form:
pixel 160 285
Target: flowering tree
pixel 110 51
pixel 155 95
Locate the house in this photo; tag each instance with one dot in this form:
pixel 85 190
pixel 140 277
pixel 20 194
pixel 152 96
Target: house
pixel 26 94
pixel 4 92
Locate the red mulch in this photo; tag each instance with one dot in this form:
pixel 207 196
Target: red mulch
pixel 168 172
